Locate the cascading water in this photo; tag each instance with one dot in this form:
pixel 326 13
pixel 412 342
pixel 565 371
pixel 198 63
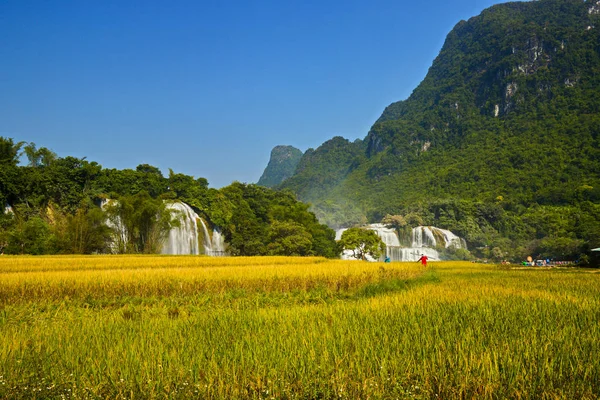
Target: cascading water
pixel 424 241
pixel 425 236
pixel 185 239
pixel 411 253
pixel 182 239
pixel 387 235
pixel 214 246
pixel 218 244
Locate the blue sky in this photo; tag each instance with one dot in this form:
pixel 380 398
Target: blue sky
pixel 208 88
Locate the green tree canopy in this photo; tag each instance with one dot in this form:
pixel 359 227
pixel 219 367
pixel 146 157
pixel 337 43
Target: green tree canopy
pixel 362 242
pixel 141 223
pixel 289 239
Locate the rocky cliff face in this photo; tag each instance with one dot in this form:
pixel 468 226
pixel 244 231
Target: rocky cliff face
pixel 511 59
pixel 282 165
pixel 509 108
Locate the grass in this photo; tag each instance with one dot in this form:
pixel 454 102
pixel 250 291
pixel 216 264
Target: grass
pixel 294 328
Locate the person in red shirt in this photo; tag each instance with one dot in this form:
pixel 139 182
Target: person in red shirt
pixel 423 260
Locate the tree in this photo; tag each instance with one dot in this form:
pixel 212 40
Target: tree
pixel 289 239
pixel 7 223
pixel 362 242
pixel 413 219
pixel 562 248
pixel 129 182
pixel 31 236
pixel 9 158
pixel 38 157
pixel 84 232
pixel 141 223
pixel 256 220
pixel 189 190
pixel 395 221
pixel 9 151
pixel 246 233
pixel 151 180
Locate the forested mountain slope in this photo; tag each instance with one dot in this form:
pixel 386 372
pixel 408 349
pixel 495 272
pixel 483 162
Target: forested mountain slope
pixel 282 165
pixel 498 143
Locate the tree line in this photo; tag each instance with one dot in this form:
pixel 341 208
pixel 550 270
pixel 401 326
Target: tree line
pixel 68 205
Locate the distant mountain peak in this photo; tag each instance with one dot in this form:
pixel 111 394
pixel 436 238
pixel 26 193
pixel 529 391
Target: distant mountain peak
pixel 282 165
pixel 509 108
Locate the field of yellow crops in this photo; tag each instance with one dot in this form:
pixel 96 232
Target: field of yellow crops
pixel 297 328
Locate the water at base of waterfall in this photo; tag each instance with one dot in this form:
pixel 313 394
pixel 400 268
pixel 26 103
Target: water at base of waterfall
pixel 423 242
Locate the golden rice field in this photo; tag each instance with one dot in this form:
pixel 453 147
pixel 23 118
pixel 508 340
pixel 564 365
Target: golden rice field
pixel 168 327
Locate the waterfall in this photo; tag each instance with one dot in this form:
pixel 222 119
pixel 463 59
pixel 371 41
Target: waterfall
pixel 424 241
pixel 387 235
pixel 192 236
pixel 218 243
pixel 411 253
pixel 214 246
pixel 339 232
pixel 183 239
pixel 430 236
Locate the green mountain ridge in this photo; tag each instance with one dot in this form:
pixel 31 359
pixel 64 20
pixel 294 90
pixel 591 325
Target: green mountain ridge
pixel 282 165
pixel 498 143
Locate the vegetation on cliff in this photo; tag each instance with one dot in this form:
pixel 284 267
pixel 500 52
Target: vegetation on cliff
pixel 499 143
pixel 282 165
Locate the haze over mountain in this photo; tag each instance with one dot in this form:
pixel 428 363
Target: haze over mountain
pixel 501 135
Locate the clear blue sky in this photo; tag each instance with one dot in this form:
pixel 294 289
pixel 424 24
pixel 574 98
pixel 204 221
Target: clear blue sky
pixel 208 88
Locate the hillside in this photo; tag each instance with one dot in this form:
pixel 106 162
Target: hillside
pixel 498 143
pixel 282 165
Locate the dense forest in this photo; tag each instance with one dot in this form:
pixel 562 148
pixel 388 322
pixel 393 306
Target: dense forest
pixel 499 143
pixel 53 206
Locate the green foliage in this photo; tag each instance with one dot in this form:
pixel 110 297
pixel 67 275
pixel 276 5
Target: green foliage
pixel 30 236
pixel 362 242
pixel 9 157
pixel 129 182
pixel 260 221
pixel 141 223
pixel 499 143
pixel 38 157
pixel 9 151
pixel 289 239
pixel 394 221
pixel 282 165
pixel 322 169
pixel 560 248
pixel 189 190
pixel 56 209
pixel 7 222
pixel 84 232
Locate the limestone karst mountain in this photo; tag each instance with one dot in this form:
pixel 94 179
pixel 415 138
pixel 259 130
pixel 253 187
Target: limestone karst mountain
pixel 282 165
pixel 506 121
